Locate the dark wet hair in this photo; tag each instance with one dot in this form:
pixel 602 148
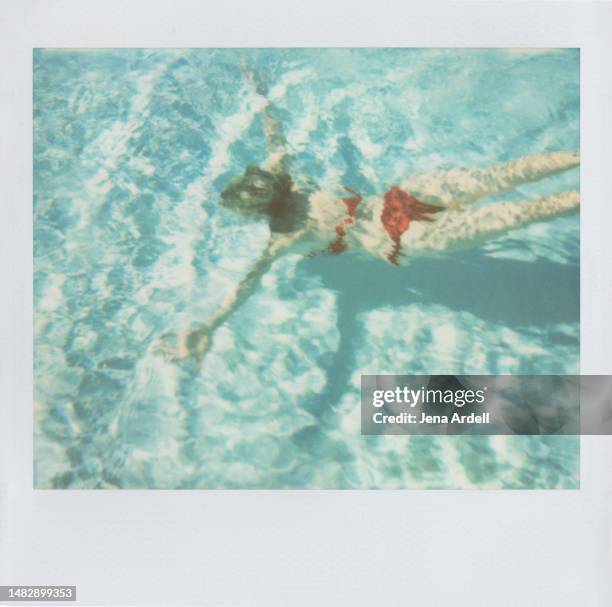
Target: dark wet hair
pixel 259 192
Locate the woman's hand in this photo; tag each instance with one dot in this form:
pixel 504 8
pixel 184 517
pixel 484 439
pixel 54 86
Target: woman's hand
pixel 178 347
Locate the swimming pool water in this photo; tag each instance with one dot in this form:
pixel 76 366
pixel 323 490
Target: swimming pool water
pixel 131 151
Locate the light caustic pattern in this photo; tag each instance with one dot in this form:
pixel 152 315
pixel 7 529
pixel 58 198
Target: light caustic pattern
pixel 132 149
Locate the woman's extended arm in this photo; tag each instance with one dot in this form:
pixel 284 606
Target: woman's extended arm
pixel 196 342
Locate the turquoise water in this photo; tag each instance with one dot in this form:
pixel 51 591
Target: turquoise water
pixel 132 149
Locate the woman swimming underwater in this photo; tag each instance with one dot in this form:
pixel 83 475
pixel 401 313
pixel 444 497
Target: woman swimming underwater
pixel 425 214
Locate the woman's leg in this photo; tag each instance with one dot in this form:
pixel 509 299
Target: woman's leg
pixel 457 187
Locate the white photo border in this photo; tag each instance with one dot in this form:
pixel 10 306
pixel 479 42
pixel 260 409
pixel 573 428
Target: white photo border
pixel 302 547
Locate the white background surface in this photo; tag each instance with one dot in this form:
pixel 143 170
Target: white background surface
pixel 302 548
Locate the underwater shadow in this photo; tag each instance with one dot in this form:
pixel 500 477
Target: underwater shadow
pixel 509 292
